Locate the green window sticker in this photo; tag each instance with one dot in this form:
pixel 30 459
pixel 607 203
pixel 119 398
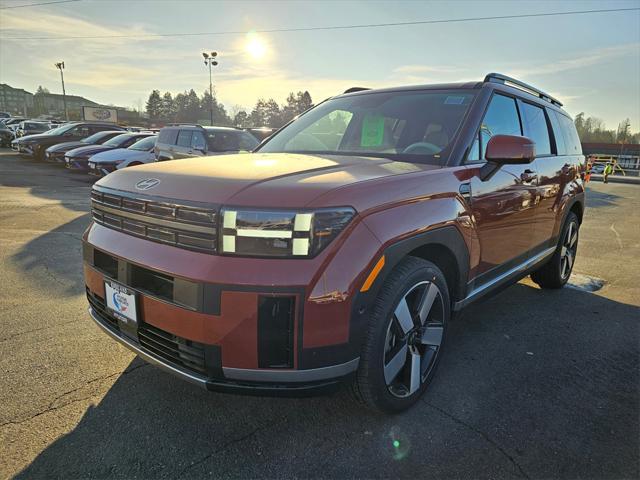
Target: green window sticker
pixel 372 131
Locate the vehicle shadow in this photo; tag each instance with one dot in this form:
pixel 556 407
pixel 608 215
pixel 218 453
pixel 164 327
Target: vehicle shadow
pixel 43 181
pixel 59 274
pixel 538 384
pixel 597 199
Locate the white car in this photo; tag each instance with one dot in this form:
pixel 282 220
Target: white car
pixel 140 152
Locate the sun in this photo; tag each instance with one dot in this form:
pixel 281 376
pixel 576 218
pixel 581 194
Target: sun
pixel 255 46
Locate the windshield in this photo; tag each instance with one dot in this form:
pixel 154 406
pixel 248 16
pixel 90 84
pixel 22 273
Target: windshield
pixel 60 130
pixel 145 144
pixel 96 138
pixel 413 126
pixel 118 140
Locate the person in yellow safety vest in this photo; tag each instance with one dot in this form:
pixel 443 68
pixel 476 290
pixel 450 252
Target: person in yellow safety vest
pixel 587 173
pixel 608 170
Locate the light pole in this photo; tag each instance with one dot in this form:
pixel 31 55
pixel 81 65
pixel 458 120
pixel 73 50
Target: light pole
pixel 210 60
pixel 60 66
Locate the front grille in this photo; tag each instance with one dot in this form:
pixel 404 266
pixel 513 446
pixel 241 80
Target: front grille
pixel 176 350
pixel 183 226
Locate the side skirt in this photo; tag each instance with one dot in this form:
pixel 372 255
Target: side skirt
pixel 510 276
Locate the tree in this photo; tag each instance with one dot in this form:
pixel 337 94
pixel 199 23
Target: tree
pixel 167 107
pixel 258 117
pixel 272 114
pixel 154 105
pixel 241 119
pixel 624 131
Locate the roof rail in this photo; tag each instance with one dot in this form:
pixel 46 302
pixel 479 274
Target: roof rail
pixel 183 125
pixel 500 78
pixel 355 89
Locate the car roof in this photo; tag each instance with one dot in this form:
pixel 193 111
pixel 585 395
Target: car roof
pixel 514 90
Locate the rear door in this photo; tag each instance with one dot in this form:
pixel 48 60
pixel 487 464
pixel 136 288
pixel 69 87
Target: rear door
pixel 183 144
pixel 503 206
pixel 558 155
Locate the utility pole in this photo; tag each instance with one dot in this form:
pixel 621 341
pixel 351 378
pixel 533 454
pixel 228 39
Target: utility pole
pixel 60 66
pixel 210 60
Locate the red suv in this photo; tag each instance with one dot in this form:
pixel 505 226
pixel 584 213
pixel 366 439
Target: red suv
pixel 338 251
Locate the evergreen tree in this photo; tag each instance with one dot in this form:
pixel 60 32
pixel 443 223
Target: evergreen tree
pixel 168 107
pixel 154 105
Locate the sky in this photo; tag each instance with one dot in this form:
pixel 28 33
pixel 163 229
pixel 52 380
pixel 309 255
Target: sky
pixel 590 62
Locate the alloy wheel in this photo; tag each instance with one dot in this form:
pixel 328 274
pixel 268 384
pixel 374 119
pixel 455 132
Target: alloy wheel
pixel 568 250
pixel 413 339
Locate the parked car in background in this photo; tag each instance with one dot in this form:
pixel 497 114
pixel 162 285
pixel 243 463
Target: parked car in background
pixel 12 121
pixel 32 127
pixel 140 152
pixel 5 115
pixel 78 158
pixel 339 250
pixel 185 141
pixel 261 133
pixel 6 136
pixel 36 145
pixel 56 152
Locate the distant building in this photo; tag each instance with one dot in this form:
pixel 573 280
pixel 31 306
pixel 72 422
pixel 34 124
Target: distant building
pixel 53 104
pixel 15 100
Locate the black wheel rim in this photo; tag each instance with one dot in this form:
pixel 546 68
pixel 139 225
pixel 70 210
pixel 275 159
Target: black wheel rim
pixel 568 250
pixel 413 339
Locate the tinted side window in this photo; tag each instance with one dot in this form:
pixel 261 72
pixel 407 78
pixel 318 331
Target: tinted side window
pixel 534 123
pixel 184 138
pixel 561 148
pixel 247 142
pixel 570 135
pixel 168 135
pixel 198 142
pixel 80 131
pixel 501 119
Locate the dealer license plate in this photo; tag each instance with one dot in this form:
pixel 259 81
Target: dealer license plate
pixel 121 301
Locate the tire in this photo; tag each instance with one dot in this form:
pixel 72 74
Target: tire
pixel 557 271
pixel 402 341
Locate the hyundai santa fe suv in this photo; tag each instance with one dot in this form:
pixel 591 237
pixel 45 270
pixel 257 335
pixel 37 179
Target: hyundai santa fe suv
pixel 339 250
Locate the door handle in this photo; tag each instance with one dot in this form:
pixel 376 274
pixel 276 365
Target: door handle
pixel 528 176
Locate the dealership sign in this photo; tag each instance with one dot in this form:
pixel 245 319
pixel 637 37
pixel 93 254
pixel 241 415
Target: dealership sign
pixel 100 114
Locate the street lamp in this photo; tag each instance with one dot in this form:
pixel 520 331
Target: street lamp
pixel 210 61
pixel 60 66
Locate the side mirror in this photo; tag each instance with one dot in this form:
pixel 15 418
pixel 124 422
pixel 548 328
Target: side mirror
pixel 507 150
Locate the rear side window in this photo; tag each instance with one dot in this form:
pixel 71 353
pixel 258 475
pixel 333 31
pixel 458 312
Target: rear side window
pixel 168 136
pixel 571 138
pixel 534 123
pixel 184 138
pixel 198 142
pixel 558 135
pixel 501 119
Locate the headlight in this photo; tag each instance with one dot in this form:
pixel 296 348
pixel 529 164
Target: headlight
pixel 283 233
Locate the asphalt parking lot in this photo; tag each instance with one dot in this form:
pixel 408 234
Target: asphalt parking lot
pixel 533 384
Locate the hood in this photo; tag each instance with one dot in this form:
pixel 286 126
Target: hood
pixel 116 154
pixel 88 150
pixel 63 147
pixel 34 137
pixel 258 179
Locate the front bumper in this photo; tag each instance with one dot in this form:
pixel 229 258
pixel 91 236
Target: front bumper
pixel 56 157
pixel 234 380
pixel 100 169
pixel 77 164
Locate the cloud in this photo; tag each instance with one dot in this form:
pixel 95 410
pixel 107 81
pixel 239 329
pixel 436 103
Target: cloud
pixel 51 25
pixel 586 59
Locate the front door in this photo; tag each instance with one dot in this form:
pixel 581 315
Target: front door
pixel 504 205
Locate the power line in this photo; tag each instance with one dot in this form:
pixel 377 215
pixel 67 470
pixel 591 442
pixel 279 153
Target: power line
pixel 334 27
pixel 39 4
